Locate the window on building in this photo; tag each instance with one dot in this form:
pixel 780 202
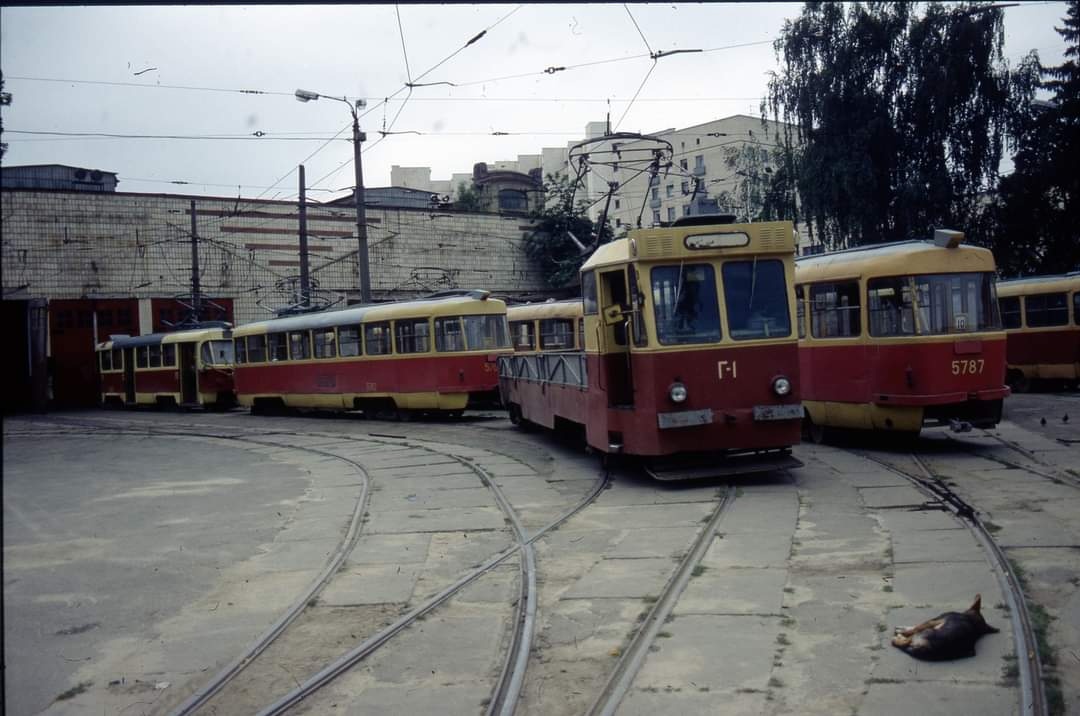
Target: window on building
pixel 656 218
pixel 324 343
pixel 256 348
pixel 669 190
pixel 277 347
pixel 349 341
pixel 671 213
pixel 1010 311
pixel 299 346
pixel 685 188
pixel 617 204
pixel 655 193
pixel 686 210
pixel 699 163
pixel 513 200
pixel 377 338
pixel 834 310
pixel 698 141
pixel 1046 309
pixel 684 163
pixel 448 335
pixel 618 223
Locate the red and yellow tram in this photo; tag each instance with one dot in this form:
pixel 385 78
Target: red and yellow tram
pixel 187 368
pixel 900 336
pixel 436 354
pixel 549 326
pixel 689 358
pixel 1041 316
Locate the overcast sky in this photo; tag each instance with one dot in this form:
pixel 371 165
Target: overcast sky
pixel 358 52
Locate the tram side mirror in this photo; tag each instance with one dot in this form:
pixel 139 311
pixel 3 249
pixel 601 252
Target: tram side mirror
pixel 613 315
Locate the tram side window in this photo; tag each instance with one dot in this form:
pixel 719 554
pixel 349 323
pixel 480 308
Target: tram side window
pixel 256 348
pixel 890 307
pixel 486 332
pixel 581 333
pixel 155 355
pixel 412 335
pixel 217 352
pixel 956 303
pixel 324 343
pixel 834 310
pixel 140 357
pixel 106 360
pixel 1010 311
pixel 168 354
pixel 588 293
pixel 757 299
pixel 377 338
pixel 1076 308
pixel 118 358
pixel 1046 309
pixel 299 348
pixel 557 334
pixel 349 341
pixel 522 331
pixel 241 350
pixel 277 347
pixel 448 335
pixel 685 304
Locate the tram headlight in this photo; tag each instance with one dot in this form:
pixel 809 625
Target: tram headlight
pixel 677 392
pixel 781 386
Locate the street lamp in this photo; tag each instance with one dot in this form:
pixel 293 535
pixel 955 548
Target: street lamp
pixel 361 213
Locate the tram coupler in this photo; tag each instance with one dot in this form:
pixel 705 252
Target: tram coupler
pixel 959 426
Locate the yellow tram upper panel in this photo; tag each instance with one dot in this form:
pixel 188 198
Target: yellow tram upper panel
pixel 899 259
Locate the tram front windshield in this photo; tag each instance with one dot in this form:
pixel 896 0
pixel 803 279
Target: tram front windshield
pixel 684 297
pixel 217 353
pixel 932 304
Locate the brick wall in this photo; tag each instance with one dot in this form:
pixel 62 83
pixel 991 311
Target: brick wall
pixel 63 245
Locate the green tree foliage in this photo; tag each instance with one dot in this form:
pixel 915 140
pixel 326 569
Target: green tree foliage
pixel 1039 202
pixel 468 198
pixel 895 120
pixel 549 243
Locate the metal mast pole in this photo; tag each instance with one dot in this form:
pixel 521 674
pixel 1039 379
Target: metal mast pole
pixel 305 280
pixel 361 212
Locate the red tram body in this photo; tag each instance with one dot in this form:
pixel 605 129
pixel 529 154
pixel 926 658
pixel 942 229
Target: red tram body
pixel 927 350
pixel 1041 316
pixel 429 355
pixel 187 368
pixel 689 358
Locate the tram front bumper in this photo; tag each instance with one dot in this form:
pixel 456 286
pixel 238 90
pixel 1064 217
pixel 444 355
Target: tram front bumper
pixel 761 413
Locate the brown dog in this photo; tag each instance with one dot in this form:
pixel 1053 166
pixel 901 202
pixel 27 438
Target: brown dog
pixel 951 635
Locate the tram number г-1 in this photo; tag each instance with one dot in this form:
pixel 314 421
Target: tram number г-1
pixel 727 366
pixel 968 367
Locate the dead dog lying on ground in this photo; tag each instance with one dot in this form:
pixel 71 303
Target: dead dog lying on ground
pixel 951 635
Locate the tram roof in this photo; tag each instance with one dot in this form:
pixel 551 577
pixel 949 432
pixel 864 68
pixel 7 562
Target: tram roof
pixel 153 339
pixel 712 241
pixel 1039 284
pixel 900 258
pixel 460 303
pixel 551 309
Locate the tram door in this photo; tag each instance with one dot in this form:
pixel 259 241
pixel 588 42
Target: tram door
pixel 614 347
pixel 188 373
pixel 129 375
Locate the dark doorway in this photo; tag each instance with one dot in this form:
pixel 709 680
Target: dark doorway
pixel 129 375
pixel 188 381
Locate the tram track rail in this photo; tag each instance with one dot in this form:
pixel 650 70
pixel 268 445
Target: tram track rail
pixel 507 690
pixel 1032 689
pixel 630 662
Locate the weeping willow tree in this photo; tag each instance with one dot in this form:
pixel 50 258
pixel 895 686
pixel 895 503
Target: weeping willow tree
pixel 894 120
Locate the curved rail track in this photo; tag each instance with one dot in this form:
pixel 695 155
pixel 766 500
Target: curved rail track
pixel 506 692
pixel 622 677
pixel 1033 695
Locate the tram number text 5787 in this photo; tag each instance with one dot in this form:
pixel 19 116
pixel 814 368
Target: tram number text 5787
pixel 968 367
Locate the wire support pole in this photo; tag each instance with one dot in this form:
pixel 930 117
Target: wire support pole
pixel 361 213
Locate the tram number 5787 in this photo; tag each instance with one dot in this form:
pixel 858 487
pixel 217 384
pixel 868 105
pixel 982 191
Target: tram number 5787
pixel 968 367
pixel 728 366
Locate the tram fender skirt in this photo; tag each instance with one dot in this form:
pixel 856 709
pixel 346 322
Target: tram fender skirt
pixel 951 635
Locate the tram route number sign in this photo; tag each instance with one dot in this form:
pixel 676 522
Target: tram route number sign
pixel 972 366
pixel 727 366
